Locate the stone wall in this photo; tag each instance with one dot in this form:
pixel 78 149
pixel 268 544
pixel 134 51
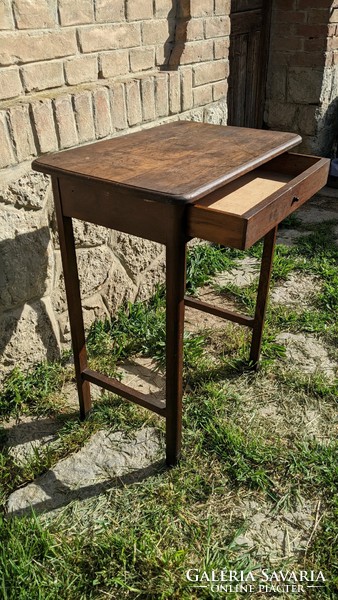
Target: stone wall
pixel 303 72
pixel 71 72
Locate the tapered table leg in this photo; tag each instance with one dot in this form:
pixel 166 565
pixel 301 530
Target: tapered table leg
pixel 262 295
pixel 175 288
pixel 67 246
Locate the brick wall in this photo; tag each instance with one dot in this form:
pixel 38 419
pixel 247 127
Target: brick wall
pixel 71 72
pixel 303 72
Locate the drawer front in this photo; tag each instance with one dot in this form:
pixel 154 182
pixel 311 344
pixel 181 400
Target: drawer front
pixel 295 179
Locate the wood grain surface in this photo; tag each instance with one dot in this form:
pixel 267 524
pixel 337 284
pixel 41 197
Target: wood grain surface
pixel 176 162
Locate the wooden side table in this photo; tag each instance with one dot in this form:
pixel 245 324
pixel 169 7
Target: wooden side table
pixel 168 184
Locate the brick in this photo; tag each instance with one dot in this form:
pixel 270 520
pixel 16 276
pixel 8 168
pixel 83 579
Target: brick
pixel 217 27
pixel 294 16
pixel 102 120
pixel 65 122
pixel 318 15
pixel 84 117
pixel 6 151
pixel 208 72
pixel 42 76
pixel 6 17
pixel 114 63
pixel 304 4
pixel 161 95
pixel 288 44
pixel 81 70
pixel 174 92
pixel 21 132
pixel 157 32
pixel 202 95
pixel 36 14
pixel 163 54
pixel 109 11
pixel 219 90
pixel 106 37
pixel 134 110
pixel 148 99
pixel 43 122
pixel 192 52
pixel 189 30
pixel 10 83
pixel 202 8
pixel 119 109
pixel 221 48
pixel 222 7
pixel 74 12
pixel 142 59
pixel 186 88
pixel 22 47
pixel 164 9
pixel 138 10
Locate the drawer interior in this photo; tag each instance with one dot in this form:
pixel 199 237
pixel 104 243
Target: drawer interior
pixel 248 191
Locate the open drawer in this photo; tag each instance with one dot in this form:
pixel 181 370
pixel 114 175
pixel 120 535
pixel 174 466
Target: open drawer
pixel 243 211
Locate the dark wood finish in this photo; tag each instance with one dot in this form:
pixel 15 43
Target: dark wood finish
pixel 304 176
pixel 175 289
pixel 127 392
pixel 177 162
pixel 67 247
pixel 219 312
pixel 262 295
pixel 248 58
pixel 143 184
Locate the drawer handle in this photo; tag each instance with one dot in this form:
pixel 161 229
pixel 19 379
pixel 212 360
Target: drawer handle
pixel 294 200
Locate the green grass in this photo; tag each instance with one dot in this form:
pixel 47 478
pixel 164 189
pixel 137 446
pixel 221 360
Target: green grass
pixel 138 540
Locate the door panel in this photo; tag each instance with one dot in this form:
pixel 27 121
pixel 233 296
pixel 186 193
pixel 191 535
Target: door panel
pixel 250 24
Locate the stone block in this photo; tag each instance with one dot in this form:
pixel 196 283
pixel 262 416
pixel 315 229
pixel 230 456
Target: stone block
pixel 29 335
pixel 189 30
pixel 107 11
pixel 281 116
pixel 219 90
pixel 36 14
pixel 186 88
pixel 110 37
pixel 205 73
pixel 42 76
pixel 21 130
pixel 43 122
pixel 6 150
pixel 10 83
pixel 22 47
pixel 202 95
pixel 222 7
pixel 30 191
pixel 148 99
pixel 6 17
pixel 135 254
pixel 304 85
pixel 88 235
pixel 65 122
pixel 102 119
pixel 139 10
pixel 202 8
pixel 153 276
pixel 216 114
pixel 164 9
pixel 74 12
pixel 81 70
pixel 221 48
pixel 277 84
pixel 119 109
pixel 24 259
pixel 161 95
pixel 192 52
pixel 113 64
pixel 174 92
pixel 134 108
pixel 83 110
pixel 119 289
pixel 217 27
pixel 142 59
pixel 157 32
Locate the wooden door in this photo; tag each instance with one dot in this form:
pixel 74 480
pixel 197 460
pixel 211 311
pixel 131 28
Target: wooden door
pixel 248 57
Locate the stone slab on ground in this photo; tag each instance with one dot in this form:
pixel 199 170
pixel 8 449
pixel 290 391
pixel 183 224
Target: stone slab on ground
pixel 246 271
pixel 296 291
pixel 289 237
pixel 28 434
pixel 100 465
pixel 144 375
pixel 307 353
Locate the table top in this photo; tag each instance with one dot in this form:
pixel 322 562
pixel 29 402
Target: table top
pixel 180 162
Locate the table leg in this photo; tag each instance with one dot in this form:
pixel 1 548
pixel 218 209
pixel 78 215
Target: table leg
pixel 262 295
pixel 175 288
pixel 68 255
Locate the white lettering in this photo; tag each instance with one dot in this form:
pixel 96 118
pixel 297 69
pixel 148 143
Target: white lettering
pixel 190 576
